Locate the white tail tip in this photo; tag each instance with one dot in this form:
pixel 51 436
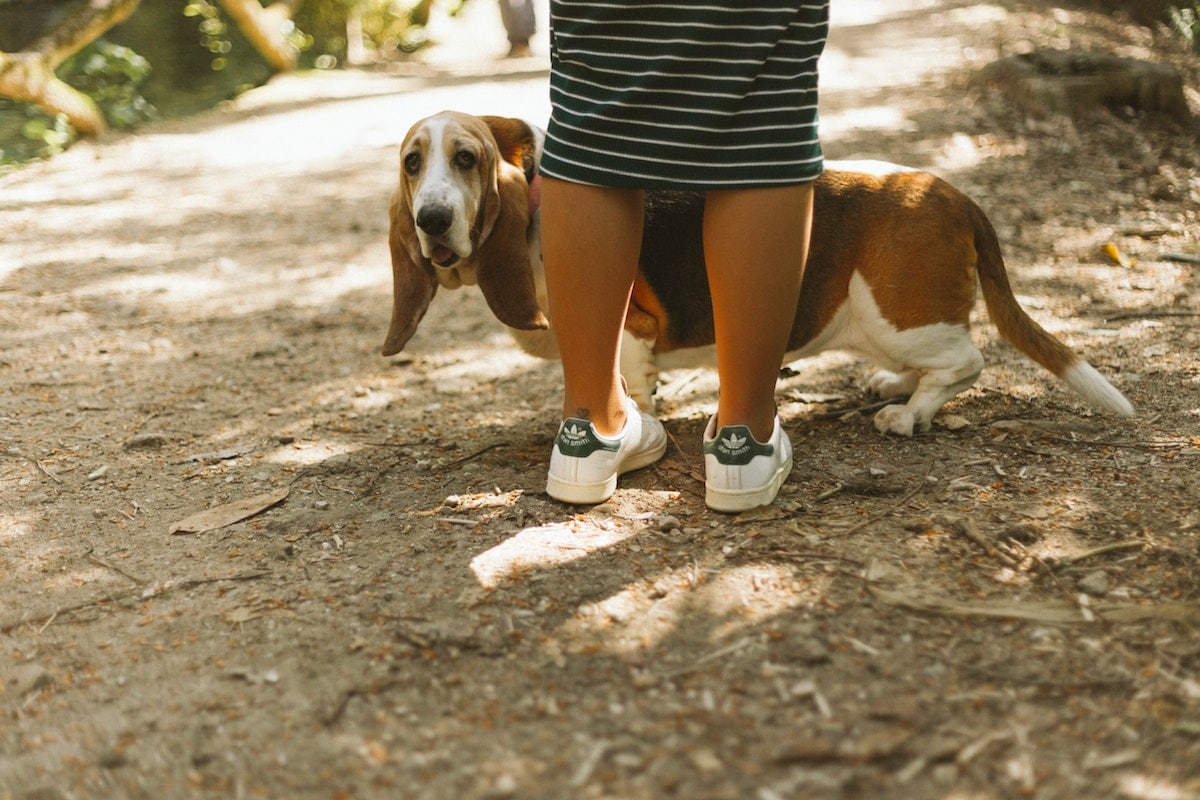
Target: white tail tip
pixel 1092 386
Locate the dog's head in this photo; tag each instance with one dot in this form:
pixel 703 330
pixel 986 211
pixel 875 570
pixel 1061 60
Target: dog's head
pixel 461 216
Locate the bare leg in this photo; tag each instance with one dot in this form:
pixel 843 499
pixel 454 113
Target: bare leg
pixel 591 238
pixel 755 245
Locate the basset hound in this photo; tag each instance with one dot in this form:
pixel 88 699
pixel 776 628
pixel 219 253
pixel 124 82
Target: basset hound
pixel 894 262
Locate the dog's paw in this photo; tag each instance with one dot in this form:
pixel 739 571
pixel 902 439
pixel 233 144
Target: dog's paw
pixel 887 384
pixel 897 419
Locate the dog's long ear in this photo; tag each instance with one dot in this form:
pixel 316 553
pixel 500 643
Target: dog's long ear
pixel 413 278
pixel 516 141
pixel 502 266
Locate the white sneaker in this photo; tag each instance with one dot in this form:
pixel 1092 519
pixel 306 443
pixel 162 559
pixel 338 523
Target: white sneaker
pixel 584 465
pixel 741 472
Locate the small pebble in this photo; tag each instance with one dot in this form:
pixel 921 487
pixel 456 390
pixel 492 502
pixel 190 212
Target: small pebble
pixel 1094 583
pixel 146 441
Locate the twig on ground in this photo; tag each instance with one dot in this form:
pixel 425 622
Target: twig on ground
pixel 44 469
pixel 469 456
pixel 838 413
pixel 828 493
pixel 100 562
pixel 1066 561
pixel 887 512
pixel 702 660
pixel 967 527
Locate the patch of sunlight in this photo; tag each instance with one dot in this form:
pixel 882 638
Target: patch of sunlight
pixel 979 15
pixel 1060 519
pixel 13 527
pixel 170 289
pixel 9 263
pixel 228 289
pixel 547 546
pixel 693 392
pixel 960 152
pixel 332 284
pixel 639 618
pixel 479 364
pixel 1146 787
pixel 871 12
pixel 65 581
pixel 306 453
pixel 829 360
pixel 882 118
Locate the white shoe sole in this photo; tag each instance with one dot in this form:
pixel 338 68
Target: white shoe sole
pixel 598 491
pixel 735 500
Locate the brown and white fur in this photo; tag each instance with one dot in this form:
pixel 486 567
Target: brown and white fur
pixel 895 258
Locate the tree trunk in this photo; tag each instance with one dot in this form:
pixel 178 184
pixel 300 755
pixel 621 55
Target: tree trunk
pixel 266 29
pixel 29 74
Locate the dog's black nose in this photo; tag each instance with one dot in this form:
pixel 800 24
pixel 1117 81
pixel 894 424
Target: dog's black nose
pixel 435 220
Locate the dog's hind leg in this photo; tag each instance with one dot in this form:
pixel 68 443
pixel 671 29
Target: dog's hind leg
pixel 934 388
pixel 888 384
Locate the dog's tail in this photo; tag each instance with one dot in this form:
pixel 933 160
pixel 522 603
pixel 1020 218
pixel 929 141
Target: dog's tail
pixel 1029 337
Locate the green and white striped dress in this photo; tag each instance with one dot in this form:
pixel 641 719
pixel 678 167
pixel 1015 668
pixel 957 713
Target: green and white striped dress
pixel 685 94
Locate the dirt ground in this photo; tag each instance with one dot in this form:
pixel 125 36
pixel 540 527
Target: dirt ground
pixel 389 605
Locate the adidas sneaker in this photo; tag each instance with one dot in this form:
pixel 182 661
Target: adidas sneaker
pixel 741 472
pixel 584 465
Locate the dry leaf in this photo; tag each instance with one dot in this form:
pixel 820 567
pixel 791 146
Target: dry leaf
pixel 229 513
pixel 1114 252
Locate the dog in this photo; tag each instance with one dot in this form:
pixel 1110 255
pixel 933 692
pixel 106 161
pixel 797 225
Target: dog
pixel 895 259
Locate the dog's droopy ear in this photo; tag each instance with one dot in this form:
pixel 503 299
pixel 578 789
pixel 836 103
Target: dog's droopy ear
pixel 516 143
pixel 413 279
pixel 503 269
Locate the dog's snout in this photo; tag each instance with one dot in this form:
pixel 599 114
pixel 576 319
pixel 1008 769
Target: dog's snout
pixel 435 220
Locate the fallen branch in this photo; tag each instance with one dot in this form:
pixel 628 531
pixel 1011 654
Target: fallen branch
pixel 1051 613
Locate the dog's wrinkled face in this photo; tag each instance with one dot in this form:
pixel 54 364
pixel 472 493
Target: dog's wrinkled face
pixel 444 167
pixel 462 215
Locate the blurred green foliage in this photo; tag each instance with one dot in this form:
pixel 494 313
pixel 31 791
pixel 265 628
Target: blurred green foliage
pixel 177 57
pixel 1185 20
pixel 110 74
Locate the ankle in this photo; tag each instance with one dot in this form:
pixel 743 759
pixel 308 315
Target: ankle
pixel 607 422
pixel 762 427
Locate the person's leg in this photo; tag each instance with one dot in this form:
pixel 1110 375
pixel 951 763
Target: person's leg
pixel 755 245
pixel 519 25
pixel 591 237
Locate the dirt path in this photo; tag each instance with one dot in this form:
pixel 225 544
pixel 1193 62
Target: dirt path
pixel 1004 607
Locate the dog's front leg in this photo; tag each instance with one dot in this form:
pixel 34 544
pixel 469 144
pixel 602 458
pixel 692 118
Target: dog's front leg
pixel 640 369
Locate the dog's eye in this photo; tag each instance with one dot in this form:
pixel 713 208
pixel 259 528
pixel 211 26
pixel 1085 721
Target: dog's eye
pixel 465 159
pixel 412 163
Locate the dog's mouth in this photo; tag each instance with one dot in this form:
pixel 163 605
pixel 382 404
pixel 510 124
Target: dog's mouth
pixel 443 256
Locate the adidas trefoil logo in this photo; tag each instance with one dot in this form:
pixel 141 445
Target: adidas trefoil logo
pixel 577 439
pixel 734 445
pixel 574 435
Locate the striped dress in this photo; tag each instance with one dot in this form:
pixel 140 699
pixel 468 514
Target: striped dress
pixel 685 94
